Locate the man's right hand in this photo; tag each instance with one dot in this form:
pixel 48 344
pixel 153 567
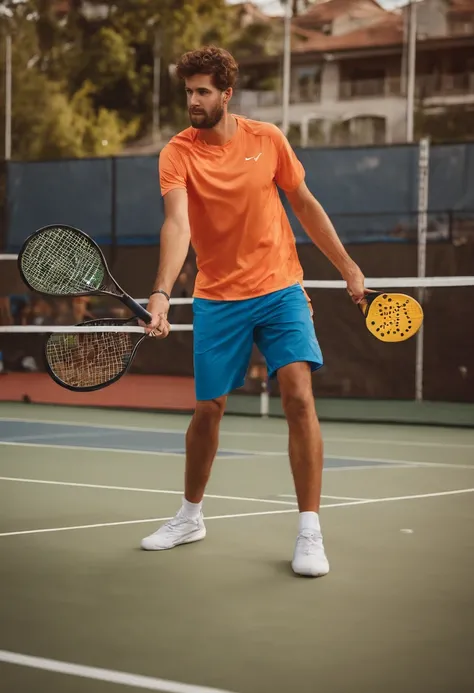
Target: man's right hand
pixel 159 326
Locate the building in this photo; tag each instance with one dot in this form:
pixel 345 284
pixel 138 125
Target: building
pixel 349 72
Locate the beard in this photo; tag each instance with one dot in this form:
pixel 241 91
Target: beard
pixel 206 121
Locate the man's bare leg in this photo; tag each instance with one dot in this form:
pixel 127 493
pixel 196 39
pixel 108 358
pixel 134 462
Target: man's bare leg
pixel 202 440
pixel 306 459
pixel 305 441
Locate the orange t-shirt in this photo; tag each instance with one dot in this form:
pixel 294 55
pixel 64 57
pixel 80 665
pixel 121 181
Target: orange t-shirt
pixel 240 232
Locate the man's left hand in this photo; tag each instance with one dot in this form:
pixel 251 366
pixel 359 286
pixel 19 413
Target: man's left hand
pixel 355 284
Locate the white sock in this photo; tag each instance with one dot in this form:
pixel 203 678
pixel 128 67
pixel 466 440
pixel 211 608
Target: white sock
pixel 191 510
pixel 309 520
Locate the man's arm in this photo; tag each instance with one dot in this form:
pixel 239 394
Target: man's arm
pixel 174 240
pixel 174 245
pixel 319 228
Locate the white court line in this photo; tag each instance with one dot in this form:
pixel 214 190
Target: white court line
pixel 115 427
pixel 138 490
pixel 248 434
pixel 379 462
pixel 256 514
pixel 140 522
pixel 54 436
pixel 409 463
pixel 160 453
pixel 387 464
pixel 389 499
pixel 367 467
pixel 349 498
pixel 404 443
pixel 119 677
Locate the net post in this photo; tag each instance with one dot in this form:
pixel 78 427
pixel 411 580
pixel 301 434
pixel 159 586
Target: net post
pixel 264 400
pixel 3 205
pixel 423 173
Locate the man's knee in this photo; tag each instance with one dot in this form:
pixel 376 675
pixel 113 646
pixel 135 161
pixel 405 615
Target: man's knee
pixel 209 412
pixel 296 390
pixel 298 403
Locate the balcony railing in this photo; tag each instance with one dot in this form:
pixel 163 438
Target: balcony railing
pixel 307 93
pixel 427 86
pixel 445 85
pixel 369 88
pixel 248 99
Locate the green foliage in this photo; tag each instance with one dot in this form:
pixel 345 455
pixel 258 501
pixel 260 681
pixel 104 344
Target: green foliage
pixel 47 123
pixel 82 80
pixel 108 59
pixel 255 39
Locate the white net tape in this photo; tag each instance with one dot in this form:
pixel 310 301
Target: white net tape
pixel 385 283
pixel 85 329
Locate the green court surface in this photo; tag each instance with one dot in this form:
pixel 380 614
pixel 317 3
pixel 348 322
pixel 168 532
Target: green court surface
pixel 83 609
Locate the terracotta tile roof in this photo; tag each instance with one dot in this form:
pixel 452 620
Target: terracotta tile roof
pixel 331 9
pixel 251 9
pixel 387 32
pixel 460 7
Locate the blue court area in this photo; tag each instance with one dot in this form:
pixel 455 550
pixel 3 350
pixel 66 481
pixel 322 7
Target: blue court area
pixel 97 437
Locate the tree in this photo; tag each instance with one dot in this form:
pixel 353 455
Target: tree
pixel 83 71
pixel 46 122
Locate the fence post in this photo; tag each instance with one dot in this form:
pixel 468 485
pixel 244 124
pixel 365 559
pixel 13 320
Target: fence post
pixel 3 205
pixel 423 175
pixel 450 225
pixel 113 213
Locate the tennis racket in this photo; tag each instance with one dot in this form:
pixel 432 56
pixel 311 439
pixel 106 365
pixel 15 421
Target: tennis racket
pixel 60 260
pixel 91 360
pixel 391 317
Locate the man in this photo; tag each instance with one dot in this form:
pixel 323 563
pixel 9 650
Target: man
pixel 219 180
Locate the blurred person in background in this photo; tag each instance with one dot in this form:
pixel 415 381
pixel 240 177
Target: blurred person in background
pixel 5 312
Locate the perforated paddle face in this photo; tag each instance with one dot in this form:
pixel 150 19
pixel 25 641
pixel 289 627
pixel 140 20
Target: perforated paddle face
pixel 394 317
pixel 62 261
pixel 90 361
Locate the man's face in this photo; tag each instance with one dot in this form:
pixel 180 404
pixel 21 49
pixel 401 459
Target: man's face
pixel 205 102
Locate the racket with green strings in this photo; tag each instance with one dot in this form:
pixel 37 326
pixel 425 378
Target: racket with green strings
pixel 60 260
pixel 94 356
pixel 391 317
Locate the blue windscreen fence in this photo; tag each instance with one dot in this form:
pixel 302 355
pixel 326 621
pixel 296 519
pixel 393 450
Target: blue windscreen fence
pixel 370 193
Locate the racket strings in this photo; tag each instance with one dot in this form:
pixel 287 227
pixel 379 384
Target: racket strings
pixel 88 360
pixel 60 261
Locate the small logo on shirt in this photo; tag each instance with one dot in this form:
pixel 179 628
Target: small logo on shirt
pixel 255 158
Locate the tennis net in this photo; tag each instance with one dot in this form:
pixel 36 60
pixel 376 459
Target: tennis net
pixel 429 378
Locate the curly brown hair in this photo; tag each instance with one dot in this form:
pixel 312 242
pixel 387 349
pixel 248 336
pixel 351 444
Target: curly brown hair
pixel 209 61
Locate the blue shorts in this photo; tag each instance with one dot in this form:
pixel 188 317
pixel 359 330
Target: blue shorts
pixel 279 323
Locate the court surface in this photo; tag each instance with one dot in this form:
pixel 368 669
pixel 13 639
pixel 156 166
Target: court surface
pixel 83 609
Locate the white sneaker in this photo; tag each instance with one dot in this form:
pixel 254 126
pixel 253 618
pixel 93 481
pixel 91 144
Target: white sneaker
pixel 179 530
pixel 309 557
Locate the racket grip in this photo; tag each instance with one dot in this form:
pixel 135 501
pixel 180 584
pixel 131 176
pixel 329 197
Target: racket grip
pixel 136 308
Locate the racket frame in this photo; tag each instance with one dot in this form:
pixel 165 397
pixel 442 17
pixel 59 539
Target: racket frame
pixel 122 296
pixel 92 388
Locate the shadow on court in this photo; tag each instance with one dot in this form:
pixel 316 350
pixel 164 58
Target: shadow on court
pixel 394 613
